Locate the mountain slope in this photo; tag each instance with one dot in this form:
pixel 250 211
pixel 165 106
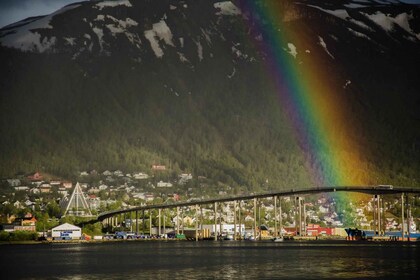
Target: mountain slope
pixel 127 84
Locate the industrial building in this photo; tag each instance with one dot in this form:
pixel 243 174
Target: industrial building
pixel 66 232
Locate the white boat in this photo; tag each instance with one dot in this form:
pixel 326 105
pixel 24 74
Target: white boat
pixel 278 239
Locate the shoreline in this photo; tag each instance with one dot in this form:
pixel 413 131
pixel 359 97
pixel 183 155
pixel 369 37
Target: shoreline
pixel 329 240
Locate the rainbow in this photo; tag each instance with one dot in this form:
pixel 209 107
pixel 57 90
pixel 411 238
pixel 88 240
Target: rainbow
pixel 312 99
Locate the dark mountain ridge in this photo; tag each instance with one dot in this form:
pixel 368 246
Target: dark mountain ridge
pixel 127 84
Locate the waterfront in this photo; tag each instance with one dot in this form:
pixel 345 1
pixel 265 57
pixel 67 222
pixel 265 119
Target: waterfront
pixel 211 260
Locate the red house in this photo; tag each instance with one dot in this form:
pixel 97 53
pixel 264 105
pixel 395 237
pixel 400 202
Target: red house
pixel 35 177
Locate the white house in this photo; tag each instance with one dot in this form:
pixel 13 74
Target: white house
pixel 162 184
pixel 140 176
pixel 66 232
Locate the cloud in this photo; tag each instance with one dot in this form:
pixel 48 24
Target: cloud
pixel 12 11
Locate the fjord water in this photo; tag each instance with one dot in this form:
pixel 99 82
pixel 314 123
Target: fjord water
pixel 211 260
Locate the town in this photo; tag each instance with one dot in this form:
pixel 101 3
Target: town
pixel 36 204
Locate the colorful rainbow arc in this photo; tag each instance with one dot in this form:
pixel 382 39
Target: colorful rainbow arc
pixel 311 99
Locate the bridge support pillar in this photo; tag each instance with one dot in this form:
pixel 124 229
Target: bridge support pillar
pixel 196 222
pixel 407 205
pixel 402 217
pixel 159 221
pixel 150 222
pixel 240 219
pixel 182 221
pixel 215 221
pixel 280 217
pixel 177 220
pixel 220 220
pixel 164 224
pixel 201 221
pixel 304 218
pixel 275 216
pixel 143 221
pixel 380 214
pixel 234 220
pixel 255 218
pixel 374 215
pixel 137 222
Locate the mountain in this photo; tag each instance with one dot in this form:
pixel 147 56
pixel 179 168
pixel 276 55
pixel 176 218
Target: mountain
pixel 130 83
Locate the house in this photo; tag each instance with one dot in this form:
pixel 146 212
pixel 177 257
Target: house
pixel 162 184
pixel 102 187
pixel 22 188
pixel 93 190
pixel 27 223
pixel 45 188
pixel 68 185
pixel 34 191
pixel 18 205
pixel 30 204
pixel 118 173
pixel 264 232
pixel 323 209
pixel 158 167
pixel 63 191
pixel 13 182
pixel 315 230
pixel 29 220
pixel 35 177
pixel 93 201
pixel 248 218
pixel 140 176
pixel 84 174
pixel 184 178
pixel 55 183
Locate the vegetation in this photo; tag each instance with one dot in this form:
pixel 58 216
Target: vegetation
pixel 19 235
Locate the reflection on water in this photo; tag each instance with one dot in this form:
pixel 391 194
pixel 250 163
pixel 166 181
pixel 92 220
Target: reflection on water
pixel 211 260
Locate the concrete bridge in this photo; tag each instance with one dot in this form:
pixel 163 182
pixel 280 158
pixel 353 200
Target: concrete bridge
pixel 197 204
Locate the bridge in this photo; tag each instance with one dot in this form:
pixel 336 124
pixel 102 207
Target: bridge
pixel 373 190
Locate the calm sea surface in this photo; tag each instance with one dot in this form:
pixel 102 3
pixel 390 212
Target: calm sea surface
pixel 211 260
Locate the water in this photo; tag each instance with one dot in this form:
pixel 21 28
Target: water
pixel 211 260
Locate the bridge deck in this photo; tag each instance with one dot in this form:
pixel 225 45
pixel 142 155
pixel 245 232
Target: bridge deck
pixel 360 189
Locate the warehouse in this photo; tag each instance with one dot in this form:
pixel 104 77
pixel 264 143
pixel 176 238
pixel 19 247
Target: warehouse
pixel 66 232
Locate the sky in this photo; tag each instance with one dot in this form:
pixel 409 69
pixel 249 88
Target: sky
pixel 14 10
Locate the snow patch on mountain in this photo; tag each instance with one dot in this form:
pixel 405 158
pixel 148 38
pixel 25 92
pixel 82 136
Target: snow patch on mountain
pixel 358 34
pixel 354 6
pixel 227 8
pixel 387 22
pixel 70 40
pixel 230 76
pixel 199 50
pixel 324 46
pixel 163 32
pixel 381 19
pixel 338 13
pixel 104 4
pixel 100 34
pixel 159 31
pixel 120 26
pixel 344 15
pixel 26 37
pixel 206 35
pixel 154 44
pixel 292 49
